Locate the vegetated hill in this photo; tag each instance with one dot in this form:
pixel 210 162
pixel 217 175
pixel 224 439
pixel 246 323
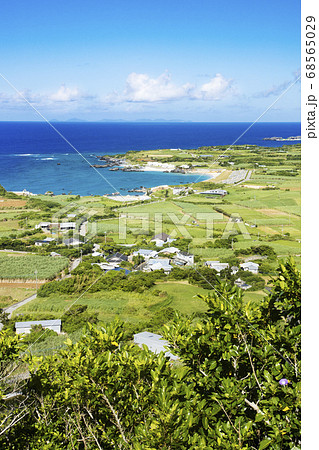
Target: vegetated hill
pixel 236 383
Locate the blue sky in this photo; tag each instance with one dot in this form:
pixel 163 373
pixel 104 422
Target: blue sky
pixel 201 60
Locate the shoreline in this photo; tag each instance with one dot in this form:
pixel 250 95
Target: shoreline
pixel 118 169
pixel 208 174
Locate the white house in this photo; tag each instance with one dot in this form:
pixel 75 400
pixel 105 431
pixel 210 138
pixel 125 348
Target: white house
pixel 158 264
pixel 184 258
pixel 45 241
pixel 116 258
pixel 25 327
pixel 177 191
pixel 241 284
pixel 161 239
pixel 45 226
pixel 63 226
pixel 250 266
pixel 216 265
pixel 154 342
pixel 106 266
pixel 221 192
pixel 170 250
pixel 147 254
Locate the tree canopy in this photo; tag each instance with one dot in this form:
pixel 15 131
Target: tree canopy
pixel 236 384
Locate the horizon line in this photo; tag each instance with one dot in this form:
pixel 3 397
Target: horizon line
pixel 80 121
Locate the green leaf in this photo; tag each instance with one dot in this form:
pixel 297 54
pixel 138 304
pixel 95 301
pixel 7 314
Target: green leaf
pixel 267 376
pixel 215 410
pixel 264 444
pixel 259 417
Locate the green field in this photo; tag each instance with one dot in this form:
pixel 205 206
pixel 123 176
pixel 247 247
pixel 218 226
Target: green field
pixel 128 306
pixel 275 211
pixel 182 296
pixel 24 267
pixel 13 294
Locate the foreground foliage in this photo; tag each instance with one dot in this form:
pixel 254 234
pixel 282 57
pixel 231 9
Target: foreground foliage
pixel 236 386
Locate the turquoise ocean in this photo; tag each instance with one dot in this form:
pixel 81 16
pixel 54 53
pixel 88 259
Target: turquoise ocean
pixel 33 156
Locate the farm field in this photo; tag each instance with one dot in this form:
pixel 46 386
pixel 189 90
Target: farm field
pixel 128 306
pixel 6 203
pixel 24 267
pixel 12 294
pixel 272 218
pixel 281 247
pixel 182 296
pixel 8 227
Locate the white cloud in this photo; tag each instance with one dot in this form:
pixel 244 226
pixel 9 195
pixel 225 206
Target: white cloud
pixel 64 97
pixel 16 99
pixel 66 94
pixel 215 89
pixel 140 87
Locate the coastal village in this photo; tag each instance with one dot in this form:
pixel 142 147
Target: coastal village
pixel 150 225
pixel 232 223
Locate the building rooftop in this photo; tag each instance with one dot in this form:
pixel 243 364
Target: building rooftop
pixel 250 264
pixel 169 250
pixel 162 236
pixel 145 252
pixel 44 323
pixel 117 255
pixel 154 342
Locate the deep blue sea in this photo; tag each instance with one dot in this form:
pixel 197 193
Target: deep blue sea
pixel 30 152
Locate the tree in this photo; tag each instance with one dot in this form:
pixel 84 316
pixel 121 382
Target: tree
pixel 38 334
pixel 204 277
pixel 76 317
pixel 238 357
pixel 138 259
pixel 12 407
pixel 236 386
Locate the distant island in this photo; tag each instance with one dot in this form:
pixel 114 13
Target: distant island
pixel 291 138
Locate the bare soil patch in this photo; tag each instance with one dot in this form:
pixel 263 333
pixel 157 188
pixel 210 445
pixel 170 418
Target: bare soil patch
pixel 12 203
pixel 272 212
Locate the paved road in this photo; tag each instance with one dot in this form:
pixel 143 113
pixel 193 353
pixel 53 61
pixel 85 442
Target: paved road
pixel 17 305
pixel 74 264
pixel 12 308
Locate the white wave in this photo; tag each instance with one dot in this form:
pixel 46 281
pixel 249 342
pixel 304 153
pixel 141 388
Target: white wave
pixel 46 159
